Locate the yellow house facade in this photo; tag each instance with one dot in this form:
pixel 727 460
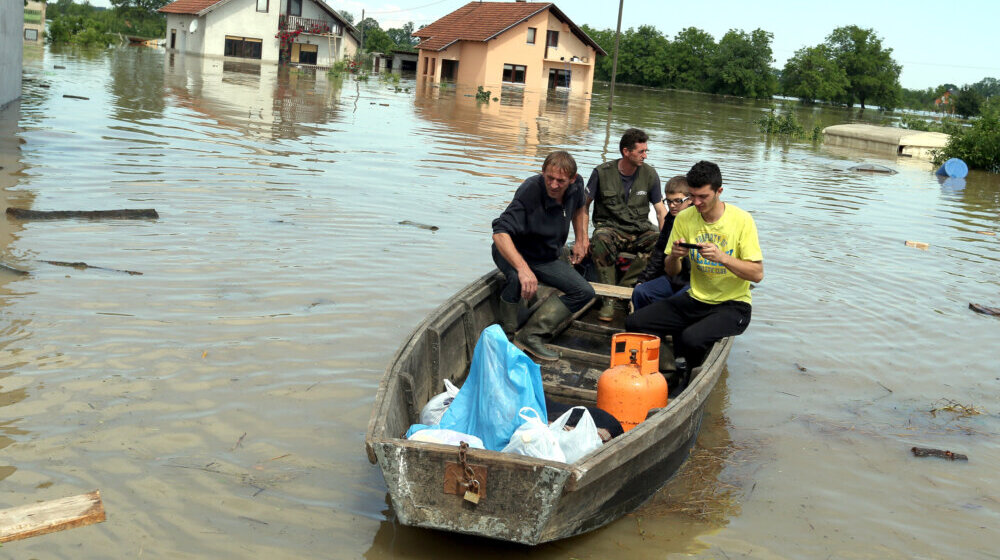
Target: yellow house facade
pixel 514 44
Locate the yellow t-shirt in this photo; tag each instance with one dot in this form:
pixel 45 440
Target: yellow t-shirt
pixel 736 234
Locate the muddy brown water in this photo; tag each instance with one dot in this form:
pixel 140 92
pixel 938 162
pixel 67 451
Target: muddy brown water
pixel 219 400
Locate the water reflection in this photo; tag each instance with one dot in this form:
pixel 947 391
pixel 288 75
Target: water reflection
pixel 516 129
pixel 263 101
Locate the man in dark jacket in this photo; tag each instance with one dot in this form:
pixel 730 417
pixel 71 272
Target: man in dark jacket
pixel 527 240
pixel 622 191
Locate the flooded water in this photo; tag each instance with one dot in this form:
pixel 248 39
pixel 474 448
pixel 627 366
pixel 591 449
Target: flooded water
pixel 219 400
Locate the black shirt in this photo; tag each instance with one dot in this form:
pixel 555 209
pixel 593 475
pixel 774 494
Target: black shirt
pixel 536 223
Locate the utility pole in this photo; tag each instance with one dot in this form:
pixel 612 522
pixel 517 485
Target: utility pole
pixel 362 26
pixel 614 63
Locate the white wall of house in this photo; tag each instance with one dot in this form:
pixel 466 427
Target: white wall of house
pixel 240 18
pixel 11 43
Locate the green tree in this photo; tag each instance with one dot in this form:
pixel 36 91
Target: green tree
pixel 148 7
pixel 978 146
pixel 812 75
pixel 606 39
pixel 987 87
pixel 377 40
pixel 689 60
pixel 640 57
pixel 967 102
pixel 742 64
pixel 871 70
pixel 402 36
pixel 347 16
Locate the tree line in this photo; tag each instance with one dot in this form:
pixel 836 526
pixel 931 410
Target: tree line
pixel 381 40
pixel 852 66
pixel 83 24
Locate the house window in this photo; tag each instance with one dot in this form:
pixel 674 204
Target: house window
pixel 308 54
pixel 243 47
pixel 433 65
pixel 558 78
pixel 514 73
pixel 295 7
pixel 552 39
pixel 427 64
pixel 30 34
pixel 262 5
pixel 531 35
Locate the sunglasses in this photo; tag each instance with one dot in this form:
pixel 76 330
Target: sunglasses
pixel 676 200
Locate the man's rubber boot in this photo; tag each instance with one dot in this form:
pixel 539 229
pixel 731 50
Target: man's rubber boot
pixel 507 317
pixel 634 270
pixel 606 275
pixel 542 324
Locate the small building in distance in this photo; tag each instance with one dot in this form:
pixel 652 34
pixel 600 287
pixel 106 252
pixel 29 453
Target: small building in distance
pixel 533 45
pixel 34 21
pixel 297 31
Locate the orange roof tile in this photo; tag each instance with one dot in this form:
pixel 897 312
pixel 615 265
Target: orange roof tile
pixel 482 21
pixel 188 6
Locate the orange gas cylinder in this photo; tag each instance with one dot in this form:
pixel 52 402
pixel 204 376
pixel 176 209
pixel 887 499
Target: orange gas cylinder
pixel 633 384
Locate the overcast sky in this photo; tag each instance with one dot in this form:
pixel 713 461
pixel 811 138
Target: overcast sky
pixel 936 42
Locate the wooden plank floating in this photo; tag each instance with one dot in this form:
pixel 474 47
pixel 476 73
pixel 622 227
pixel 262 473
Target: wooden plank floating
pixel 122 214
pixel 620 292
pixel 979 308
pixel 48 517
pixel 944 454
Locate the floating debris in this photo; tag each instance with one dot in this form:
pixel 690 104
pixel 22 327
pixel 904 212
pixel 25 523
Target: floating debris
pixel 872 168
pixel 123 214
pixel 918 245
pixel 76 97
pixel 419 225
pixel 83 266
pixel 958 409
pixel 978 308
pixel 944 454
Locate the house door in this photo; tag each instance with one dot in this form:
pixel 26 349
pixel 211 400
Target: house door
pixel 295 52
pixel 449 70
pixel 173 38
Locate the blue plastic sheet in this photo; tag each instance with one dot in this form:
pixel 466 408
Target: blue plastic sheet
pixel 502 380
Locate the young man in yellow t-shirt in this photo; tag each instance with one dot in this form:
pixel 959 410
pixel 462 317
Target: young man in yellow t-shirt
pixel 725 258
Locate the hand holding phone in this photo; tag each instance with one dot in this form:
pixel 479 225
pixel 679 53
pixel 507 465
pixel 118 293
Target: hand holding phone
pixel 689 245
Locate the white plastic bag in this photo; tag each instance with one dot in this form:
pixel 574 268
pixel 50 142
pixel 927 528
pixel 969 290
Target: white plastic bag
pixel 432 411
pixel 534 438
pixel 576 442
pixel 447 437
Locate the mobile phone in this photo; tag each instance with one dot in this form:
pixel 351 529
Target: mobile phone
pixel 690 245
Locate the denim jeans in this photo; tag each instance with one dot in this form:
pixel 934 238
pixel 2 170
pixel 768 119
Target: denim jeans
pixel 558 273
pixel 654 290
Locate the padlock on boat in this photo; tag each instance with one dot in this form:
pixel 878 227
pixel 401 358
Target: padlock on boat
pixel 633 384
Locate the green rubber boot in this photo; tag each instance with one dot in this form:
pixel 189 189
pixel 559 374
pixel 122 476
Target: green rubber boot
pixel 606 275
pixel 542 324
pixel 507 317
pixel 634 270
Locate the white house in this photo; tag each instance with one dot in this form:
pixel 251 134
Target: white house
pixel 11 26
pixel 299 31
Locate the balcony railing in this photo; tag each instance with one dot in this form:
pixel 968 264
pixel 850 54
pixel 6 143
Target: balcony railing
pixel 311 26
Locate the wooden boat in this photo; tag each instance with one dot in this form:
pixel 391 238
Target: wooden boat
pixel 523 499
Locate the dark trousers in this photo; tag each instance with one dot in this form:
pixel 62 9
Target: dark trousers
pixel 558 273
pixel 694 325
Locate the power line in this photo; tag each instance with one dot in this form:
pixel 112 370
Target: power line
pixel 408 9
